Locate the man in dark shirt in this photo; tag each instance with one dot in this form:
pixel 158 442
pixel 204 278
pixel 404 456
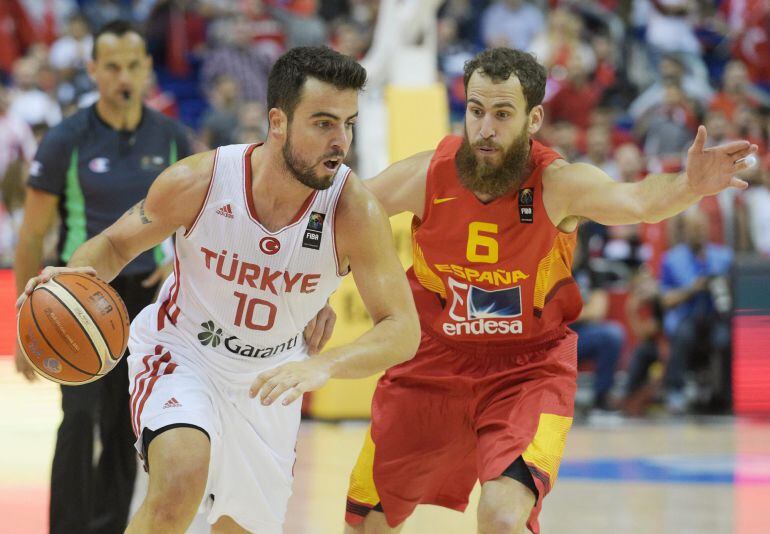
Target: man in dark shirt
pixel 93 167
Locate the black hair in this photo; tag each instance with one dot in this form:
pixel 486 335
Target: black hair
pixel 291 71
pixel 500 63
pixel 115 27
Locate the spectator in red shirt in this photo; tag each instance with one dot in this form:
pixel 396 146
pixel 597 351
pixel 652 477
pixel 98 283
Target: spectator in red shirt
pixel 577 97
pixel 16 34
pixel 737 91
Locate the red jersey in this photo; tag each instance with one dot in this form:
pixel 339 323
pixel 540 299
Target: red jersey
pixel 495 272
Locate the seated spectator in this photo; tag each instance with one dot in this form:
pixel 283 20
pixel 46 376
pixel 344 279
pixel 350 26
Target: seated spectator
pixel 578 86
pixel 17 148
pixel 563 136
pixel 644 311
pixel 599 151
pixel 511 23
pixel 599 340
pixel 236 56
pixel 252 123
pixel 17 34
pixel 630 162
pixel 668 127
pixel 561 43
pixel 28 102
pixel 671 70
pixel 220 123
pixel 737 91
pixel 695 296
pixel 757 205
pixel 301 22
pixel 72 51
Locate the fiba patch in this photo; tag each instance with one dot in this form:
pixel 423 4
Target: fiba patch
pixel 526 203
pixel 313 232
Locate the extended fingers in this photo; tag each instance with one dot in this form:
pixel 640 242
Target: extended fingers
pixel 260 381
pixel 293 394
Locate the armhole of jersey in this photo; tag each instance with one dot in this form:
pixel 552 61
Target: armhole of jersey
pixel 541 201
pixel 334 226
pixel 435 159
pixel 205 200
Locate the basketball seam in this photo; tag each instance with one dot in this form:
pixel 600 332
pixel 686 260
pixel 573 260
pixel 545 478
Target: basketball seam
pixel 82 327
pixel 42 334
pixel 93 320
pixel 118 305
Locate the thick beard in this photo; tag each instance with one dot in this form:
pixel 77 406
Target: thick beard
pixel 489 179
pixel 303 171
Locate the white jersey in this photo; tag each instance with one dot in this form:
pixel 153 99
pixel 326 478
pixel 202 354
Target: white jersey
pixel 240 289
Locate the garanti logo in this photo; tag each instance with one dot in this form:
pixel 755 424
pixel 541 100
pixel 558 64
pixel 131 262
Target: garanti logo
pixel 213 336
pixel 209 335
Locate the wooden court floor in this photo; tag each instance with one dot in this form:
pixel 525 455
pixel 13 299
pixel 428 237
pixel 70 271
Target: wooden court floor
pixel 690 476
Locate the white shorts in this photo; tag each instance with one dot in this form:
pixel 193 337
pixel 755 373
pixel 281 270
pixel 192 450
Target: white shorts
pixel 173 382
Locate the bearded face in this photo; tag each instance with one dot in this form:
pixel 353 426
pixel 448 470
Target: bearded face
pixel 304 171
pixel 481 174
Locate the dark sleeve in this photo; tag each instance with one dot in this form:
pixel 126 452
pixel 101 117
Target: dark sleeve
pixel 48 170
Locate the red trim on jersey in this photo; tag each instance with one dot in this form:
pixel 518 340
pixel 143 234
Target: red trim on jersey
pixel 163 309
pixel 135 390
pixel 250 200
pixel 175 290
pixel 208 193
pixel 153 377
pixel 334 224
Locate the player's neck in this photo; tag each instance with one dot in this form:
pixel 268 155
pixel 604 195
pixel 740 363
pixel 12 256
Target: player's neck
pixel 119 118
pixel 277 195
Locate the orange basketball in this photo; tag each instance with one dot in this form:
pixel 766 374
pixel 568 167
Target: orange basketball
pixel 73 329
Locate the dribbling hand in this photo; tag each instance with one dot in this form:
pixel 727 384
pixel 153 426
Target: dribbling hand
pixel 45 276
pixel 293 378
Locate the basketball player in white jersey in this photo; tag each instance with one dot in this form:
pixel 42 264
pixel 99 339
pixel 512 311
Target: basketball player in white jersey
pixel 264 234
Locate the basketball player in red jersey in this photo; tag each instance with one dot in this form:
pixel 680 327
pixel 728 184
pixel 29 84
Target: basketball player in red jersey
pixel 489 395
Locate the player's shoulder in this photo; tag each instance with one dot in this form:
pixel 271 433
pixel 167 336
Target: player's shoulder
pixel 357 205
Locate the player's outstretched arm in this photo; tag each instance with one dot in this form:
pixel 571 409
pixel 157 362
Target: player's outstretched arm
pixel 582 190
pixel 172 202
pixel 365 242
pixel 401 187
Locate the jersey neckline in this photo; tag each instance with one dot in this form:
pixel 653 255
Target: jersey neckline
pixel 247 182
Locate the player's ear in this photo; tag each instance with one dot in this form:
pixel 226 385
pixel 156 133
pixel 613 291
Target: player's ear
pixel 535 119
pixel 278 122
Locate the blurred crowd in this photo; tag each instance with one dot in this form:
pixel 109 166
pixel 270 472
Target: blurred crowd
pixel 629 81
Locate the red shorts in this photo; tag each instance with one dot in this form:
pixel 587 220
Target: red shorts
pixel 447 418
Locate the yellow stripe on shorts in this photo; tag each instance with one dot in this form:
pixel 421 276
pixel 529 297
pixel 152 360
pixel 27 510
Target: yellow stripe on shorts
pixel 362 487
pixel 547 447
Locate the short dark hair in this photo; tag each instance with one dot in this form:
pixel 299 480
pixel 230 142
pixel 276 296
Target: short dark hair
pixel 500 63
pixel 291 71
pixel 115 27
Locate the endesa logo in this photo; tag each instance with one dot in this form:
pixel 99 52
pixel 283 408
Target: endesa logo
pixel 479 311
pixel 269 245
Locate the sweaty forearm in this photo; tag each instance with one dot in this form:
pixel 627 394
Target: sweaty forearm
pixel 99 253
pixel 661 196
pixel 388 343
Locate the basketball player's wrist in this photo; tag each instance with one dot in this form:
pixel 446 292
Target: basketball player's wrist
pixel 687 191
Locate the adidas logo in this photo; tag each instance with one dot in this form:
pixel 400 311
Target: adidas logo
pixel 226 211
pixel 172 403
